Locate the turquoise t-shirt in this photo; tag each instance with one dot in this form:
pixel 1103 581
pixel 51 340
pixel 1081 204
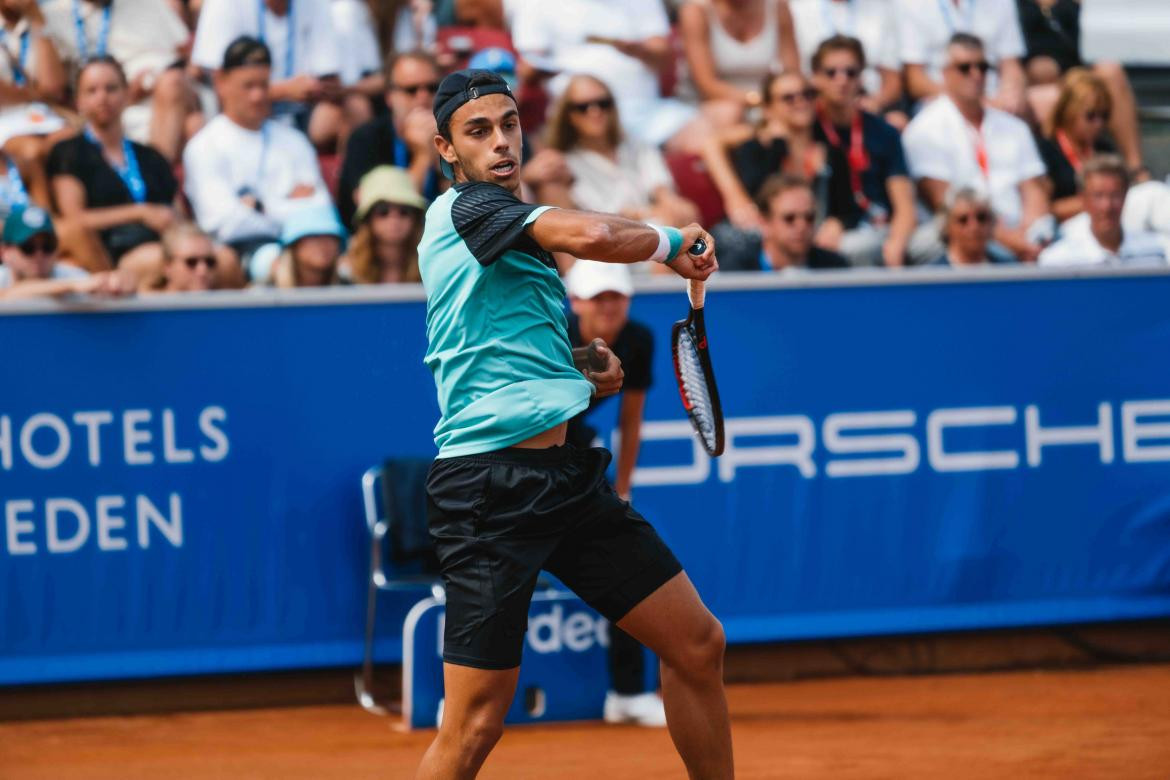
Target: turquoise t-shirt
pixel 499 343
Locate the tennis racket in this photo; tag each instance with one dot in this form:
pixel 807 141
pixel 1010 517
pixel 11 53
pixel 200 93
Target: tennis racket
pixel 692 368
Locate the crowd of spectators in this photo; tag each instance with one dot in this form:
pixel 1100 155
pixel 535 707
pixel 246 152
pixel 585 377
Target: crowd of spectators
pixel 181 145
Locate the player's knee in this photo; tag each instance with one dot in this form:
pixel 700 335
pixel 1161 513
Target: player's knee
pixel 480 733
pixel 702 654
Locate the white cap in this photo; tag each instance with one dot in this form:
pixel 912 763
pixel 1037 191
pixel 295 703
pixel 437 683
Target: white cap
pixel 589 278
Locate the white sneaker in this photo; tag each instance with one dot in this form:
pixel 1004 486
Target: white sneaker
pixel 643 709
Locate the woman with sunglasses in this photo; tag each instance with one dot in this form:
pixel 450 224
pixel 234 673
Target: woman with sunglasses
pixel 115 196
pixel 1080 119
pixel 730 47
pixel 612 172
pixel 389 221
pixel 742 158
pixel 967 226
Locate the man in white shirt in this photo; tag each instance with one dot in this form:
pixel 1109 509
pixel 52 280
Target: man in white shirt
pixel 244 172
pixel 926 26
pixel 958 142
pixel 622 43
pixel 1103 240
pixel 145 37
pixel 306 65
pixel 869 21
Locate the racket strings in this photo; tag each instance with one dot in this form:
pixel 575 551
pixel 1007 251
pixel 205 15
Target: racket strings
pixel 694 382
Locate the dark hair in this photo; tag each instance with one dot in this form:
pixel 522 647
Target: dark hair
pixel 102 59
pixel 778 184
pixel 481 79
pixel 245 51
pixel 395 57
pixel 966 40
pixel 839 43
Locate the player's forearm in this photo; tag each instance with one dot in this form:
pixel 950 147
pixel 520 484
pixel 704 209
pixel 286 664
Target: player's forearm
pixel 587 234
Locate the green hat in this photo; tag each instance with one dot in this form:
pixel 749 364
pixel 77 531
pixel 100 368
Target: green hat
pixel 25 222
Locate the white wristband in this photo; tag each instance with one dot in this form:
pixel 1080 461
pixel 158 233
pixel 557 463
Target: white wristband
pixel 662 253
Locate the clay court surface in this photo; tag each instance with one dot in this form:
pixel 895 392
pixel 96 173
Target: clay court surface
pixel 1103 723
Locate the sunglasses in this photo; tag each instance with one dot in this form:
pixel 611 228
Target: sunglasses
pixel 193 261
pixel 982 217
pixel 791 217
pixel 431 87
pixel 605 104
pixel 1097 116
pixel 35 246
pixel 966 67
pixel 792 98
pixel 850 73
pixel 382 209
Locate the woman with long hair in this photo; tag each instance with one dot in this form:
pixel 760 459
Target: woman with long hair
pixel 114 196
pixel 612 172
pixel 389 222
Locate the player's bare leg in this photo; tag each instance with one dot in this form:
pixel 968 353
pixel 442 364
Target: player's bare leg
pixel 673 622
pixel 473 721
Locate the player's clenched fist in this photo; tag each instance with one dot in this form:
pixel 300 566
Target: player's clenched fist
pixel 695 266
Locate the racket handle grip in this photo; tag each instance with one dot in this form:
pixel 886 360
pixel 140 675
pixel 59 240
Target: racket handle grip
pixel 697 292
pixel 596 361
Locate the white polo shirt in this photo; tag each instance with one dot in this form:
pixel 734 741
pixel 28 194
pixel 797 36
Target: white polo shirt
pixel 941 144
pixel 1081 248
pixel 314 48
pixel 925 27
pixel 870 21
pixel 224 159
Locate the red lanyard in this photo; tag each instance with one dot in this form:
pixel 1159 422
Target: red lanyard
pixel 980 150
pixel 1070 151
pixel 856 155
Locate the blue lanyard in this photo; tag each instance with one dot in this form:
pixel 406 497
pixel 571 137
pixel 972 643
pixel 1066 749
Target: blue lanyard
pixel 949 15
pixel 289 58
pixel 128 172
pixel 831 25
pixel 17 194
pixel 103 33
pixel 20 76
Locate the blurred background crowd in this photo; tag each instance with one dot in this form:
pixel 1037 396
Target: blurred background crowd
pixel 180 145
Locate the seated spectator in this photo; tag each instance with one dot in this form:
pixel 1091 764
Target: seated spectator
pixel 191 262
pixel 967 225
pixel 404 137
pixel 389 226
pixel 958 142
pixel 32 268
pixel 741 159
pixel 30 68
pixel 310 253
pixel 869 21
pixel 1052 32
pixel 1079 118
pixel 612 172
pixel 306 89
pixel 926 28
pixel 871 197
pixel 245 174
pixel 625 45
pixel 1103 240
pixel 730 47
pixel 147 38
pixel 790 220
pixel 116 194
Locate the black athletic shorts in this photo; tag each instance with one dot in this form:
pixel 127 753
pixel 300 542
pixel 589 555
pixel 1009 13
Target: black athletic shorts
pixel 498 518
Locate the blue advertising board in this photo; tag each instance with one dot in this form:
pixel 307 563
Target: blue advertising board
pixel 179 486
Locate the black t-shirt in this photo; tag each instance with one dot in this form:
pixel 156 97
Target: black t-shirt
pixel 634 346
pixel 754 162
pixel 886 158
pixel 1054 34
pixel 491 221
pixel 82 159
pixel 1060 169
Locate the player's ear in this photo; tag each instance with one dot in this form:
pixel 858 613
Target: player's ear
pixel 445 148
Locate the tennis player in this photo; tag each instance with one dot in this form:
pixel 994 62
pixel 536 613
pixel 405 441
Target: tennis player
pixel 506 496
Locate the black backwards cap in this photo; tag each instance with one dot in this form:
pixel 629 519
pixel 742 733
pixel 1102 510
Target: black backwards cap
pixel 461 87
pixel 244 51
